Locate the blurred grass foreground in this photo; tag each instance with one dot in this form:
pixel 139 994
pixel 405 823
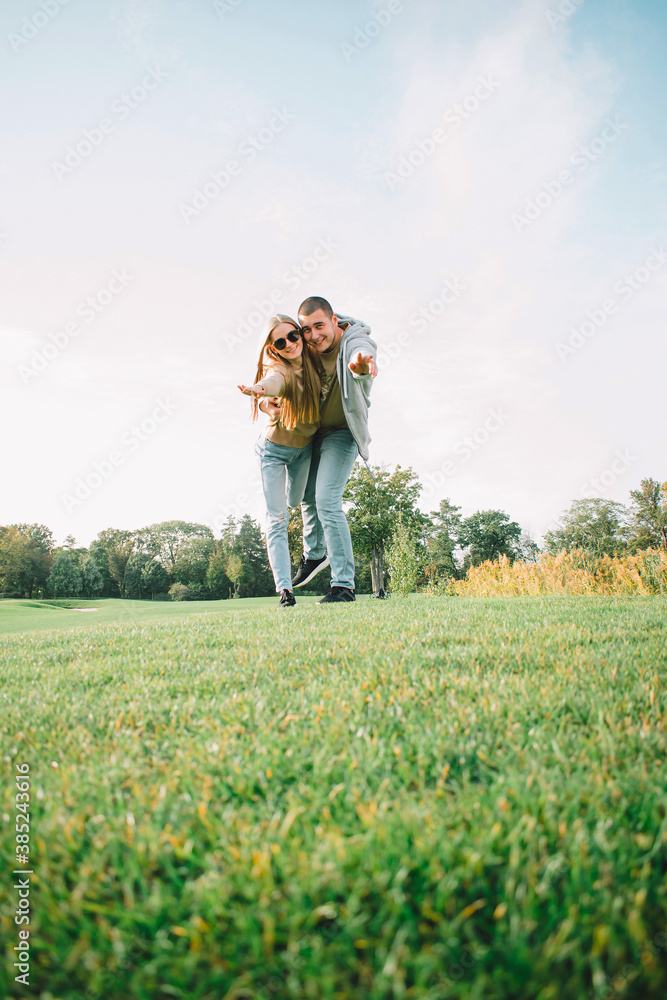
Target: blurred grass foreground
pixel 436 797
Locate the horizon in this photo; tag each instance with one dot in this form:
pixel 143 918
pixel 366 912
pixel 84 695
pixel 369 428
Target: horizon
pixel 218 528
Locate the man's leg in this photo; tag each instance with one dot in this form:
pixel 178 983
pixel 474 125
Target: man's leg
pixel 313 535
pixel 338 452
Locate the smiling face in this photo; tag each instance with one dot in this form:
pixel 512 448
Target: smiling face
pixel 320 331
pixel 290 351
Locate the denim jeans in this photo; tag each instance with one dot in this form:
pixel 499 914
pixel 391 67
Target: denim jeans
pixel 284 474
pixel 324 523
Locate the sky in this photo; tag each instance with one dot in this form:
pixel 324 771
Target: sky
pixel 482 182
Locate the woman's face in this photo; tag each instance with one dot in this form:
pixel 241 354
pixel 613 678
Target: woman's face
pixel 290 351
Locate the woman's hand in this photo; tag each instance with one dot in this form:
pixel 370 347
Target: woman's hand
pixel 252 390
pixel 271 406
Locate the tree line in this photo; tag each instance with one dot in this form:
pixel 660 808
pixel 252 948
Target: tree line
pixel 173 559
pixel 391 536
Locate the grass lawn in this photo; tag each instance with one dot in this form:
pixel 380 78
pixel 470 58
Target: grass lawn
pixel 26 616
pixel 430 798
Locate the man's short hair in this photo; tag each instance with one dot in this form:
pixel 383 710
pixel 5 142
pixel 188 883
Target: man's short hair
pixel 312 304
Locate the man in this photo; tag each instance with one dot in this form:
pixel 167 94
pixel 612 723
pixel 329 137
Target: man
pixel 345 355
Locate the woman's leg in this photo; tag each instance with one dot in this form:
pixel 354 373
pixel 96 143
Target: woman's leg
pixel 273 461
pixel 297 475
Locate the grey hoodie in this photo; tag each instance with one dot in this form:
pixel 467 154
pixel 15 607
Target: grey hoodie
pixel 355 390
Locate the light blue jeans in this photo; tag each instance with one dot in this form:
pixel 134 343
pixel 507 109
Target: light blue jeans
pixel 284 472
pixel 324 523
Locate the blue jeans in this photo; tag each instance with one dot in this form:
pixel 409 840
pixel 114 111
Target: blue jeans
pixel 284 474
pixel 324 523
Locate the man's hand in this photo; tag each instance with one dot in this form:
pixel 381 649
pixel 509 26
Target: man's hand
pixel 271 406
pixel 363 364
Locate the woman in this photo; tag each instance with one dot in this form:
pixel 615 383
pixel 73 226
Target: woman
pixel 285 370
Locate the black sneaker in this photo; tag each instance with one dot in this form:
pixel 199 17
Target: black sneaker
pixel 286 599
pixel 308 568
pixel 337 594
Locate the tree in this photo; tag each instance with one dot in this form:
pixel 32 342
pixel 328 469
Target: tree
pixel 228 532
pixel 442 540
pixel 489 535
pixel 239 561
pixel 93 582
pixel 257 578
pixel 154 578
pixel 26 559
pixel 192 564
pixel 218 582
pixel 234 570
pixel 38 533
pixel 165 541
pixel 648 514
pixel 14 561
pixel 375 503
pixel 99 553
pixel 595 525
pixel 133 581
pixel 527 548
pixel 65 579
pixel 119 546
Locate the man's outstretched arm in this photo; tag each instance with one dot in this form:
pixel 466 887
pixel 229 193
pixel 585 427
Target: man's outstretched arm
pixel 363 364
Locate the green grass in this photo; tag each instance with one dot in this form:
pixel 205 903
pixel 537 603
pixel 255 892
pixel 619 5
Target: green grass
pixel 25 615
pixel 460 798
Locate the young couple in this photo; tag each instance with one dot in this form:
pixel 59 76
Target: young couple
pixel 313 380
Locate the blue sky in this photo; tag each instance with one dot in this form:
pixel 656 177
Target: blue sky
pixel 481 398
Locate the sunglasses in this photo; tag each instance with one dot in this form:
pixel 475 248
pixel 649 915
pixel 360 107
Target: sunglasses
pixel 280 344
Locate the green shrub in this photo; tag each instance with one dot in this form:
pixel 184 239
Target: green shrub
pixel 179 592
pixel 402 559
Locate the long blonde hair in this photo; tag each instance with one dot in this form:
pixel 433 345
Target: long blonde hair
pixel 296 407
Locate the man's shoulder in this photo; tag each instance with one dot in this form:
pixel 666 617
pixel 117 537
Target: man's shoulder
pixel 356 340
pixel 353 332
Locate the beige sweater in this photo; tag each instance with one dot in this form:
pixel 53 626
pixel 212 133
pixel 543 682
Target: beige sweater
pixel 273 382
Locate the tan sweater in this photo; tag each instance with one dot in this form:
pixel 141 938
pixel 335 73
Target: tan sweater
pixel 273 382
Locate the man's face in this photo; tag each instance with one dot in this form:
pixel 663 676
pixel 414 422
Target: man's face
pixel 319 331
